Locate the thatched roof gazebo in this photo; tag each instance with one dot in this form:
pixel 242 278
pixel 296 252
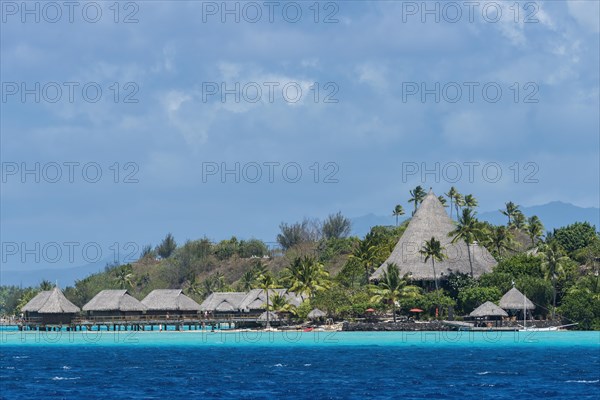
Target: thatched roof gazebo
pixel 114 303
pixel 170 301
pixel 431 220
pixel 316 314
pixel 488 309
pixel 515 300
pixel 50 307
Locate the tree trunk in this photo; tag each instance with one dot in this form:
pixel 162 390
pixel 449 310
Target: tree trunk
pixel 436 283
pixel 394 309
pixel 434 274
pixel 553 298
pixel 470 262
pixel 268 324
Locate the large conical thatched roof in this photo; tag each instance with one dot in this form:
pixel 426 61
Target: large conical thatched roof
pixel 169 300
pixel 513 300
pixel 488 309
pixel 114 300
pixel 431 220
pixel 51 302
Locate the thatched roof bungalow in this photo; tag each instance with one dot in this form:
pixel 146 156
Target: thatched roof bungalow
pixel 256 299
pixel 239 302
pixel 273 317
pixel 170 302
pixel 223 302
pixel 114 303
pixel 515 300
pixel 431 220
pixel 50 307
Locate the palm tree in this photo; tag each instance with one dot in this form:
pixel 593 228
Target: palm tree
pixel 194 287
pixel 392 288
pixel 280 304
pixel 266 282
pixel 535 229
pixel 451 193
pixel 501 239
pixel 459 201
pixel 417 196
pixel 307 276
pixel 124 277
pixel 510 210
pixel 470 201
pixel 519 221
pixel 442 200
pixel 467 229
pixel 552 265
pixel 367 256
pixel 433 249
pixel 247 281
pixel 25 297
pixel 213 283
pixel 398 210
pixel 46 285
pixel 259 269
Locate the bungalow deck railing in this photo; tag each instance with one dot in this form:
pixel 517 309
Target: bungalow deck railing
pixel 163 318
pixel 146 319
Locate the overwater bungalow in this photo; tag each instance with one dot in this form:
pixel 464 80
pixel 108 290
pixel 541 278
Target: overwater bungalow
pixel 223 303
pixel 256 299
pixel 114 303
pixel 273 318
pixel 431 220
pixel 170 302
pixel 50 307
pixel 245 304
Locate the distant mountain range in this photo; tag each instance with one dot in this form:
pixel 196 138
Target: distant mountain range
pixel 64 276
pixel 553 215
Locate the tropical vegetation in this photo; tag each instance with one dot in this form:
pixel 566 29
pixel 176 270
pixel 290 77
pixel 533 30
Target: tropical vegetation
pixel 320 260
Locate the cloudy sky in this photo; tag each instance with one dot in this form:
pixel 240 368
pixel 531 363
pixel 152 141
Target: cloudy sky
pixel 120 124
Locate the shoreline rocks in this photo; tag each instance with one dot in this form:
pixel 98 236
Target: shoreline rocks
pixel 426 326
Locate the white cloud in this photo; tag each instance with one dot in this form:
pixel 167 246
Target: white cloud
pixel 174 99
pixel 586 13
pixel 373 75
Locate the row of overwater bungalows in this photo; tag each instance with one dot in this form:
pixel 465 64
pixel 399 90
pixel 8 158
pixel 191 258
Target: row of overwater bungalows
pixel 53 308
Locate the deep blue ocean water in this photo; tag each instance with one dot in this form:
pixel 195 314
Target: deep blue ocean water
pixel 433 365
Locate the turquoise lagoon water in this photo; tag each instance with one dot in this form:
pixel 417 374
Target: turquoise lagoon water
pixel 249 365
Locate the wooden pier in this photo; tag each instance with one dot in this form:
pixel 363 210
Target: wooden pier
pixel 143 323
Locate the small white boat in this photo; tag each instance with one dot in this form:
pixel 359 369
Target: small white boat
pixel 548 329
pixel 526 328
